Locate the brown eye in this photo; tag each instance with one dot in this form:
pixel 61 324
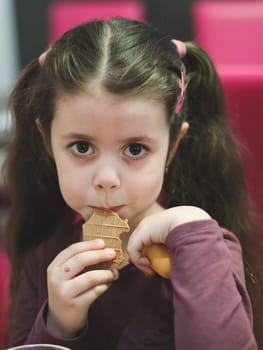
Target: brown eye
pixel 135 150
pixel 82 148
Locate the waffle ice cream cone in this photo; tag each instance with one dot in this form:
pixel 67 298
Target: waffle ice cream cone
pixel 108 226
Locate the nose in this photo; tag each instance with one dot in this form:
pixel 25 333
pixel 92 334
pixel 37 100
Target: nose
pixel 106 178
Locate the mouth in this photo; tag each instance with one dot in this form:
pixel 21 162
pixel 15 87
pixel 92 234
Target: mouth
pixel 116 209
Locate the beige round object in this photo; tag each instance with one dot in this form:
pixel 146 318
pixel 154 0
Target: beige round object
pixel 160 259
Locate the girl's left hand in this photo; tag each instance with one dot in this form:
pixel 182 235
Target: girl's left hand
pixel 155 229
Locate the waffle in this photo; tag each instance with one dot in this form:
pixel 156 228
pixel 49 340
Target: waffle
pixel 108 226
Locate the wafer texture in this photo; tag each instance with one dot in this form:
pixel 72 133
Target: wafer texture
pixel 108 226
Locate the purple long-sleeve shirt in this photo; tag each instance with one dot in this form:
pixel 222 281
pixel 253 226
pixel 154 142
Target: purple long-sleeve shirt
pixel 204 306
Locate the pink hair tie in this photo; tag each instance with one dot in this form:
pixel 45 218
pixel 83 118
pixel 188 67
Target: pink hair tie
pixel 181 48
pixel 43 56
pixel 179 103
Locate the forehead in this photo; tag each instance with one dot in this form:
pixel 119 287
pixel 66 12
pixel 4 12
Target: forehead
pixel 94 93
pixel 102 106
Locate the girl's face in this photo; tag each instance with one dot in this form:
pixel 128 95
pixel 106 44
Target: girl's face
pixel 110 152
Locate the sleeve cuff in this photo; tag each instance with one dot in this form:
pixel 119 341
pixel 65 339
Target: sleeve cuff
pixel 41 334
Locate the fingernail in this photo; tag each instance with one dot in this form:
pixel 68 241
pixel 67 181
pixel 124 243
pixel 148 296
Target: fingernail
pixel 110 252
pixel 115 274
pixel 100 243
pixel 148 273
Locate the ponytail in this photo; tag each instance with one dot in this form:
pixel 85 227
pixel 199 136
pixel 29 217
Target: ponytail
pixel 207 170
pixel 33 191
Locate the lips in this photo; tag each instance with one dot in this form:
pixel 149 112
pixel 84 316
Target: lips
pixel 116 209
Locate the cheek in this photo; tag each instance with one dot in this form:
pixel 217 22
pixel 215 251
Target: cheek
pixel 151 181
pixel 71 185
pixel 146 187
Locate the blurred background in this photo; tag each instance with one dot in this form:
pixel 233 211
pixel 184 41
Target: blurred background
pixel 33 17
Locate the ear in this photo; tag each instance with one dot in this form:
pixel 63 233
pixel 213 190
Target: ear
pixel 43 136
pixel 39 127
pixel 174 146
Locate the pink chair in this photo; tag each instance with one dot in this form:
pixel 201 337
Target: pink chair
pixel 4 300
pixel 230 31
pixel 243 89
pixel 63 15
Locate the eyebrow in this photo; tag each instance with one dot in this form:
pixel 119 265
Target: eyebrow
pixel 144 138
pixel 79 136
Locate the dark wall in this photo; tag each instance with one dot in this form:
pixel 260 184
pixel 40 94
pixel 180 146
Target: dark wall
pixel 170 16
pixel 31 28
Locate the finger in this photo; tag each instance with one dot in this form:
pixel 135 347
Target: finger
pixel 115 274
pixel 144 265
pixel 135 247
pixel 79 262
pixel 92 294
pixel 136 255
pixel 89 280
pixel 75 249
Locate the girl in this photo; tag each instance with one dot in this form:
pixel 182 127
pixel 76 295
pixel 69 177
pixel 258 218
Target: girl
pixel 112 118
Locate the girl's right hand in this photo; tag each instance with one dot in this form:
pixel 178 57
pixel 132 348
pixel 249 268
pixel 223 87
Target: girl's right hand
pixel 72 291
